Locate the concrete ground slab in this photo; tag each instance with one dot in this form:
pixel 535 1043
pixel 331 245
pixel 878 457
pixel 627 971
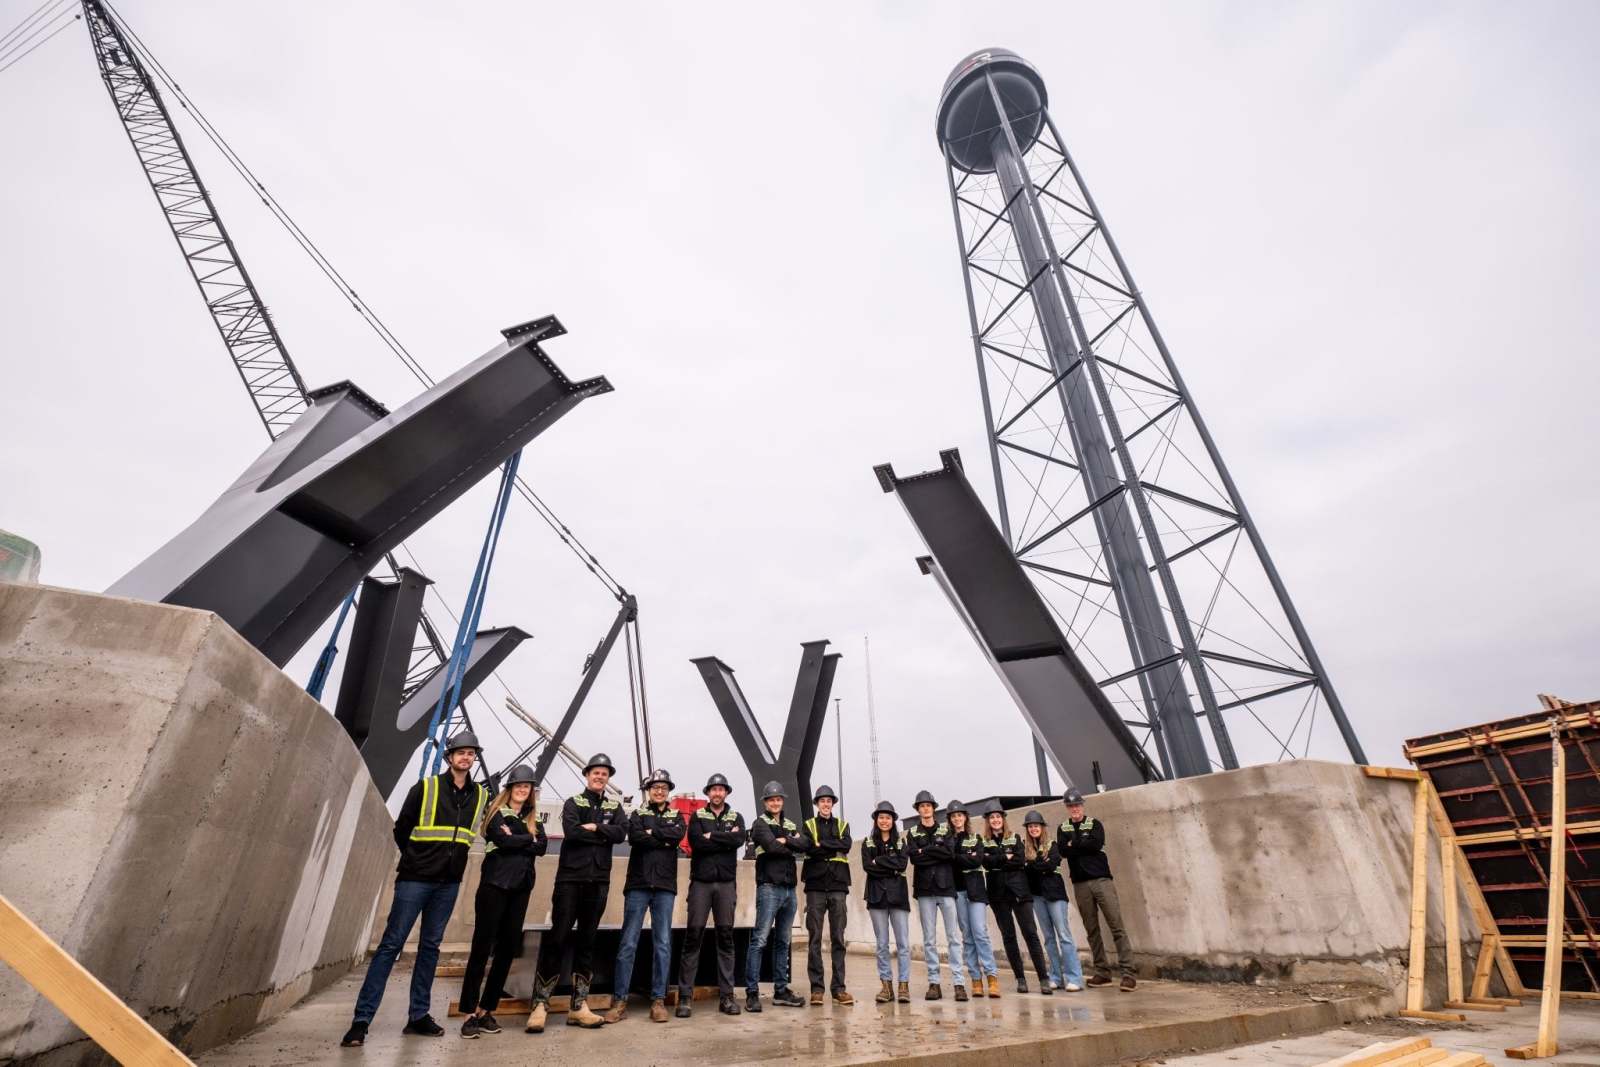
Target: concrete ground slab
pixel 1488 1034
pixel 1088 1029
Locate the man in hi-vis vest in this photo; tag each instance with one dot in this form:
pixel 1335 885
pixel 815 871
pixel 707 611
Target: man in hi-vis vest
pixel 434 831
pixel 826 873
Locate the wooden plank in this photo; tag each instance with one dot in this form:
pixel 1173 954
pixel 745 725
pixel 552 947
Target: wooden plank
pixel 1579 717
pixel 1546 1043
pixel 1433 1016
pixel 1573 994
pixel 1418 960
pixel 1420 1059
pixel 1381 1054
pixel 1480 908
pixel 1473 1005
pixel 1462 1059
pixel 1510 1002
pixel 1404 774
pixel 80 996
pixel 1452 917
pixel 1480 972
pixel 1490 837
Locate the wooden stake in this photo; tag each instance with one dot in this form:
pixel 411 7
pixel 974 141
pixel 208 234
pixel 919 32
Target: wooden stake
pixel 1479 906
pixel 80 996
pixel 1452 918
pixel 1480 973
pixel 1555 910
pixel 1419 898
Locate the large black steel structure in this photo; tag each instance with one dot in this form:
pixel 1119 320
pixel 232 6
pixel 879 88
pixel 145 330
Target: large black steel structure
pixel 1109 487
pixel 347 483
pixel 791 764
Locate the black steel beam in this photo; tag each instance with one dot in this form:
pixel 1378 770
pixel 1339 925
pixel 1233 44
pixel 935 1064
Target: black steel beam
pixel 379 655
pixel 591 669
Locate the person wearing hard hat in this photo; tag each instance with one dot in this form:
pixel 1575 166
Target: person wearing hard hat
pixel 434 831
pixel 933 880
pixel 972 902
pixel 716 833
pixel 883 857
pixel 592 825
pixel 513 838
pixel 777 842
pixel 1009 898
pixel 655 831
pixel 1050 903
pixel 826 872
pixel 1083 844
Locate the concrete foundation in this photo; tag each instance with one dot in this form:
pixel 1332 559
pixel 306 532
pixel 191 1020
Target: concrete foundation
pixel 181 817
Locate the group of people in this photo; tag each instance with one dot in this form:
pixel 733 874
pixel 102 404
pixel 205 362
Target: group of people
pixel 959 871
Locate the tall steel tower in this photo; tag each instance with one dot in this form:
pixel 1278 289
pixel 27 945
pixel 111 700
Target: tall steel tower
pixel 1110 489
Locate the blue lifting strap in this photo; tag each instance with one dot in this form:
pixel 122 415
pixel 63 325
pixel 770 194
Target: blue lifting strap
pixel 456 669
pixel 330 651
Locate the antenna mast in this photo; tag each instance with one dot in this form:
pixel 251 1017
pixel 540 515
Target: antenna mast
pixel 872 724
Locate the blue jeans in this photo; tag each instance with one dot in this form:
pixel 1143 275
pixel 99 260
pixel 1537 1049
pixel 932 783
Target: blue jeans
pixel 433 901
pixel 635 902
pixel 775 906
pixel 900 920
pixel 973 915
pixel 929 909
pixel 1065 966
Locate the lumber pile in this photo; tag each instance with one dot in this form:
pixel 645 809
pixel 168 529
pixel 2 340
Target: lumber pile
pixel 1406 1052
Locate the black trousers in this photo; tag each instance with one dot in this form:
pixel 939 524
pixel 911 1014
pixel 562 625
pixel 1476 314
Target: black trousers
pixel 573 905
pixel 497 931
pixel 714 899
pixel 1022 912
pixel 834 907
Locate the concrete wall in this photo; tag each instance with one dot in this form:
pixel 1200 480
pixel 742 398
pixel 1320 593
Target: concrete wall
pixel 181 817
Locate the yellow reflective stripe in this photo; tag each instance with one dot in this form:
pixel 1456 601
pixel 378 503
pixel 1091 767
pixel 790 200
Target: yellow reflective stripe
pixel 844 828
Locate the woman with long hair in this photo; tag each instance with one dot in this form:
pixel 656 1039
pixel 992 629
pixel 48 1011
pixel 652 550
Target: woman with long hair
pixel 1006 864
pixel 513 838
pixel 972 902
pixel 883 855
pixel 1050 903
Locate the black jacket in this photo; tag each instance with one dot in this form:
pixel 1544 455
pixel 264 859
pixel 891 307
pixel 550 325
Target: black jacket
pixel 1044 874
pixel 1007 869
pixel 827 865
pixel 438 861
pixel 508 857
pixel 932 854
pixel 714 843
pixel 775 862
pixel 1083 846
pixel 969 865
pixel 654 834
pixel 586 854
pixel 885 863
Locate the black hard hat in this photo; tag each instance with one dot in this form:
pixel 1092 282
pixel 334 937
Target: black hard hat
pixel 1072 796
pixel 1031 818
pixel 518 774
pixel 657 775
pixel 599 759
pixel 993 808
pixel 884 807
pixel 925 797
pixel 718 779
pixel 955 806
pixel 774 789
pixel 464 739
pixel 824 791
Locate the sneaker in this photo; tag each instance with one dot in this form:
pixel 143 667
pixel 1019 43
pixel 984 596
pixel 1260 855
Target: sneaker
pixel 786 998
pixel 487 1025
pixel 752 1001
pixel 1129 983
pixel 355 1036
pixel 423 1027
pixel 1072 987
pixel 1095 980
pixel 727 1005
pixel 469 1029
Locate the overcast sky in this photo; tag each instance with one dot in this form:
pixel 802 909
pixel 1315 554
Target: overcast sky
pixel 1368 233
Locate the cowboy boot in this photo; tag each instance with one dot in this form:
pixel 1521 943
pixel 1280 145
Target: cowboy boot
pixel 579 1014
pixel 541 1003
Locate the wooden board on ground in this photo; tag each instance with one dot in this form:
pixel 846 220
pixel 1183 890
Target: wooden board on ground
pixel 1381 1054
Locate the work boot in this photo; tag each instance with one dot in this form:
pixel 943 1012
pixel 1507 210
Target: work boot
pixel 1046 988
pixel 542 988
pixel 1129 983
pixel 843 998
pixel 816 998
pixel 934 992
pixel 727 1005
pixel 487 1024
pixel 355 1036
pixel 536 1018
pixel 617 1012
pixel 578 1014
pixel 1097 980
pixel 961 994
pixel 469 1029
pixel 752 1000
pixel 423 1027
pixel 658 1011
pixel 786 998
pixel 685 1002
pixel 903 993
pixel 994 986
pixel 1022 985
pixel 885 992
